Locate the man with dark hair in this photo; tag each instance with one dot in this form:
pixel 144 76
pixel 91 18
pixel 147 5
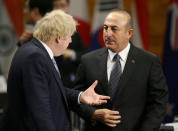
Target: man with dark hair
pixel 43 6
pixel 34 10
pixel 131 76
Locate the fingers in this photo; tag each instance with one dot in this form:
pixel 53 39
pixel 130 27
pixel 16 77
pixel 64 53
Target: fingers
pixel 68 53
pixel 114 117
pixel 100 102
pixel 113 123
pixel 104 97
pixel 108 117
pixel 113 112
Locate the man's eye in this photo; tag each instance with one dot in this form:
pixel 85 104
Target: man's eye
pixel 105 27
pixel 114 28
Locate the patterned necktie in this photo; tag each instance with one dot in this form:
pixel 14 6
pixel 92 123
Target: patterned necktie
pixel 55 65
pixel 115 75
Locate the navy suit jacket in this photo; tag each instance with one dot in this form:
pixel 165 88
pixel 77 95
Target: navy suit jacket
pixel 141 95
pixel 37 100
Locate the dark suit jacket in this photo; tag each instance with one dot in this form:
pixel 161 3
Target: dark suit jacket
pixel 141 95
pixel 37 100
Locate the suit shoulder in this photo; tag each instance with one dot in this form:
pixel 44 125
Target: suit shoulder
pixel 28 52
pixel 30 48
pixel 145 54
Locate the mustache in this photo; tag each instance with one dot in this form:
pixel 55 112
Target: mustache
pixel 109 39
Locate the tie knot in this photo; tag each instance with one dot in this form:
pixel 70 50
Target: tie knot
pixel 116 57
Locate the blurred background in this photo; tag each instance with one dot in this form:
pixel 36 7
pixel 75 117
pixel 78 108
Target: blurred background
pixel 155 24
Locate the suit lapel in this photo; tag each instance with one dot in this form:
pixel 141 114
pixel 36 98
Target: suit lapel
pixel 103 72
pixel 56 75
pixel 128 69
pixel 59 81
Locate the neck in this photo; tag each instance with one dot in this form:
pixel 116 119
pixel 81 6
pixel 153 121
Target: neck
pixel 120 48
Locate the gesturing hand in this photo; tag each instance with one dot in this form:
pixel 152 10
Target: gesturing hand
pixel 90 97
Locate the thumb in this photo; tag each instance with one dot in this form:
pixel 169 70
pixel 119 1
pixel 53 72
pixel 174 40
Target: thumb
pixel 94 84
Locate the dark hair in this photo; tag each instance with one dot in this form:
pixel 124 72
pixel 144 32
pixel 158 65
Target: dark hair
pixel 43 6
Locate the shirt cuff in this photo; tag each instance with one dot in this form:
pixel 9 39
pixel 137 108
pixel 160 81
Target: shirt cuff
pixel 79 97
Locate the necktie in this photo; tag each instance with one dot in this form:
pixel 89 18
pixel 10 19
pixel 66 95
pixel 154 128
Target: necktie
pixel 115 75
pixel 55 65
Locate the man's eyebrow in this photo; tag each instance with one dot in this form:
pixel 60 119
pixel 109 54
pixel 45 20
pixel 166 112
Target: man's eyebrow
pixel 112 26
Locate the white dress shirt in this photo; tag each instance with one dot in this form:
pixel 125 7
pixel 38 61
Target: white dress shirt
pixel 123 54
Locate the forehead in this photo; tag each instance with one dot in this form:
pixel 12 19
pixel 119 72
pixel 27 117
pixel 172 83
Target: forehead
pixel 60 1
pixel 116 19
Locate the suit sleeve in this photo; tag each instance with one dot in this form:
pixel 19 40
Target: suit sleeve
pixel 36 90
pixel 72 97
pixel 157 98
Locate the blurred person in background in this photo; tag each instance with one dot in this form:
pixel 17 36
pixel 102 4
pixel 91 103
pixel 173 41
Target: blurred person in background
pixel 34 10
pixel 132 77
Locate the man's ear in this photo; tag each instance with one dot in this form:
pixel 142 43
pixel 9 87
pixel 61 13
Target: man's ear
pixel 57 39
pixel 131 31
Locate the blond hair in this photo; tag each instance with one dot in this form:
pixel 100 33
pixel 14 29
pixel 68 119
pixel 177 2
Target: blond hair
pixel 55 23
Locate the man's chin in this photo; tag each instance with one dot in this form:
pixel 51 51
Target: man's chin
pixel 109 45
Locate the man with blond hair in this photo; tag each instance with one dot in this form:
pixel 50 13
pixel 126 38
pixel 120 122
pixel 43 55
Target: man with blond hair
pixel 37 99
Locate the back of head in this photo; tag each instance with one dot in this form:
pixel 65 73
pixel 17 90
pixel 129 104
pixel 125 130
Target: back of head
pixel 55 23
pixel 43 6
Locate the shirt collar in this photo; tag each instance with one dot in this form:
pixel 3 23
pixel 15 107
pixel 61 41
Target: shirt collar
pixel 48 49
pixel 123 54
